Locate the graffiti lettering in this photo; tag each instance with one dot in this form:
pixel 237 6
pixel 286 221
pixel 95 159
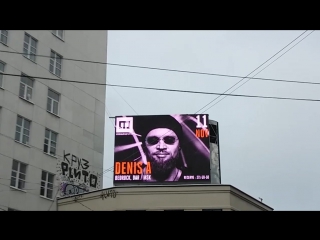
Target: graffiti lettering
pixel 80 162
pixel 65 157
pixel 85 165
pixel 67 169
pixel 64 168
pixel 85 174
pixel 108 193
pixel 70 189
pixel 74 159
pixel 93 180
pixel 70 173
pixel 75 175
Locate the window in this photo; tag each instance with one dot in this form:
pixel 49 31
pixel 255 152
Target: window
pixel 53 102
pixel 4 36
pixel 1 71
pixel 29 47
pixel 23 130
pixel 50 142
pixel 46 184
pixel 18 174
pixel 55 63
pixel 58 33
pixel 26 85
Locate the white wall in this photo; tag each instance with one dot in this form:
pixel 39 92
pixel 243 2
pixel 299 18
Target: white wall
pixel 80 125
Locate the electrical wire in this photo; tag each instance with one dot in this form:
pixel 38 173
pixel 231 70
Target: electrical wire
pixel 176 90
pixel 179 71
pixel 57 155
pixel 54 200
pixel 184 91
pixel 171 70
pixel 144 67
pixel 256 73
pixel 16 52
pixel 84 205
pixel 253 70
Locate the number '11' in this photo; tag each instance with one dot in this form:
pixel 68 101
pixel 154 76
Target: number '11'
pixel 199 122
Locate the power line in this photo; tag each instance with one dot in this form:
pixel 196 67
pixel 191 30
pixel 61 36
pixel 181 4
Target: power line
pixel 210 93
pixel 174 71
pixel 125 101
pixel 56 156
pixel 258 72
pixel 163 69
pixel 84 205
pixel 107 84
pixel 182 91
pixel 251 72
pixel 16 52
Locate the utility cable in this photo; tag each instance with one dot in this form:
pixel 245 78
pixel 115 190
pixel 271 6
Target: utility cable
pixel 171 70
pixel 182 91
pixel 57 155
pixel 84 205
pixel 252 71
pixel 258 72
pixel 21 53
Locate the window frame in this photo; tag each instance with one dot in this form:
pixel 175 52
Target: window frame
pixel 53 63
pixel 52 101
pixel 46 183
pixel 56 33
pixel 28 49
pixel 22 128
pixel 6 36
pixel 1 75
pixel 26 87
pixel 49 144
pixel 18 173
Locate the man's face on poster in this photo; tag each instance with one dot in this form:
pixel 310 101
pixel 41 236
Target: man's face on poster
pixel 162 150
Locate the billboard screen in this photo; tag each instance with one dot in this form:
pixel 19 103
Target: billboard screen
pixel 160 149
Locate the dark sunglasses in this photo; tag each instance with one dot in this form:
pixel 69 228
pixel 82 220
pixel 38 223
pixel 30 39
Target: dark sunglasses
pixel 155 140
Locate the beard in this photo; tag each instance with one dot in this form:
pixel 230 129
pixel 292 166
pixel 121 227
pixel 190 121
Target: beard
pixel 160 168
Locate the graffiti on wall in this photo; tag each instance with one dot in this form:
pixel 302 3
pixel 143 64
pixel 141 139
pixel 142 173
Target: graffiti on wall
pixel 75 175
pixel 108 193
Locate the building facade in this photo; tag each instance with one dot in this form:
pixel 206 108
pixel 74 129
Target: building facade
pixel 51 130
pixel 164 198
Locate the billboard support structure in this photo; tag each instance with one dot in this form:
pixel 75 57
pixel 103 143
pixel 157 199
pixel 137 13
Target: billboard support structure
pixel 215 167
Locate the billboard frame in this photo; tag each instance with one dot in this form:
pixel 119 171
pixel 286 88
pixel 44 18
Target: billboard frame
pixel 139 183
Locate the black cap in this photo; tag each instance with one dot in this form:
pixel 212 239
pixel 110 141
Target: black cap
pixel 142 125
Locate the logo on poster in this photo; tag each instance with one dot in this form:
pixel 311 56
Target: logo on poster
pixel 124 125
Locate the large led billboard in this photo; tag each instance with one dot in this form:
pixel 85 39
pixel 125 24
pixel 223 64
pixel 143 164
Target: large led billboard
pixel 159 149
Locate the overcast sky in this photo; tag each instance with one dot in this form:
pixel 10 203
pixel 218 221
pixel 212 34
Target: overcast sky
pixel 269 148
